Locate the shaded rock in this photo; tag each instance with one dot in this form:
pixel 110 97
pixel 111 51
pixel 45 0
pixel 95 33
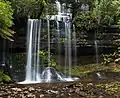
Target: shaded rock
pixel 71 90
pixel 62 94
pixel 99 75
pixel 81 93
pixel 77 90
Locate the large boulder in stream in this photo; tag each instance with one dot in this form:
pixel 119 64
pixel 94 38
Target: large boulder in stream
pixel 49 74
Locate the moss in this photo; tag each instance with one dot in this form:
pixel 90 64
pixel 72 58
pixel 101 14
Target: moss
pixel 110 88
pixel 115 69
pixel 90 68
pixel 84 69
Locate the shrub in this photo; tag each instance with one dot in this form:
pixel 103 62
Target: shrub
pixel 6 13
pixel 4 77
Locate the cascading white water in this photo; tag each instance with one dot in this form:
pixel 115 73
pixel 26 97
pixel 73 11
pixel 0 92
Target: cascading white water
pixel 33 48
pixel 96 34
pixel 69 49
pixel 96 51
pixel 29 53
pixel 34 72
pixel 58 42
pixel 74 45
pixel 66 47
pixel 58 5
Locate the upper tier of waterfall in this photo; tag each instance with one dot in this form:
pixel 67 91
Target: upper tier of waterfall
pixel 63 13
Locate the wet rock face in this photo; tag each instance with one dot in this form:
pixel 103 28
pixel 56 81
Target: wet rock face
pixel 49 73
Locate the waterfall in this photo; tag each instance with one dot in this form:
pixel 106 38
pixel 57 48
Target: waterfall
pixel 37 73
pixel 66 47
pixel 48 26
pixel 29 51
pixel 58 5
pixel 69 49
pixel 74 45
pixel 96 34
pixel 33 48
pixel 96 51
pixel 58 42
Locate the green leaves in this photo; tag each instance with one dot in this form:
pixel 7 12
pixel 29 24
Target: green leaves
pixel 6 33
pixel 44 59
pixel 32 8
pixel 112 58
pixel 6 13
pixel 4 77
pixel 85 20
pixel 107 11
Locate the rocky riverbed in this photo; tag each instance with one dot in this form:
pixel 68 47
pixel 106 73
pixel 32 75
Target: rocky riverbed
pixel 79 89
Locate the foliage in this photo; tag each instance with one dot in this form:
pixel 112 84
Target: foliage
pixel 85 20
pixel 32 8
pixel 83 69
pixel 6 13
pixel 111 88
pixel 19 59
pixel 107 12
pixel 4 77
pixel 102 13
pixel 112 58
pixel 44 59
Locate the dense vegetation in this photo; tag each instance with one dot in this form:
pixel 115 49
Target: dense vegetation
pixel 100 16
pixel 6 22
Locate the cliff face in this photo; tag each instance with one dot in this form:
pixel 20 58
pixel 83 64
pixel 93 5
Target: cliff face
pixel 85 43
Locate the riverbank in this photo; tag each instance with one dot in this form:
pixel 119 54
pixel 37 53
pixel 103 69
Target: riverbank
pixel 80 89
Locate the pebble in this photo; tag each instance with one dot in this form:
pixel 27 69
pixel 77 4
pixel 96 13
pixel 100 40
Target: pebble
pixel 25 92
pixel 52 91
pixel 77 90
pixel 71 90
pixel 31 89
pixel 62 94
pixel 90 84
pixel 0 94
pixel 31 96
pixel 42 95
pixel 16 89
pixel 55 92
pixel 39 90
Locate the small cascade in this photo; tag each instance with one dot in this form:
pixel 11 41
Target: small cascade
pixel 58 41
pixel 48 26
pixel 69 49
pixel 36 73
pixel 96 51
pixel 3 53
pixel 74 45
pixel 96 34
pixel 58 5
